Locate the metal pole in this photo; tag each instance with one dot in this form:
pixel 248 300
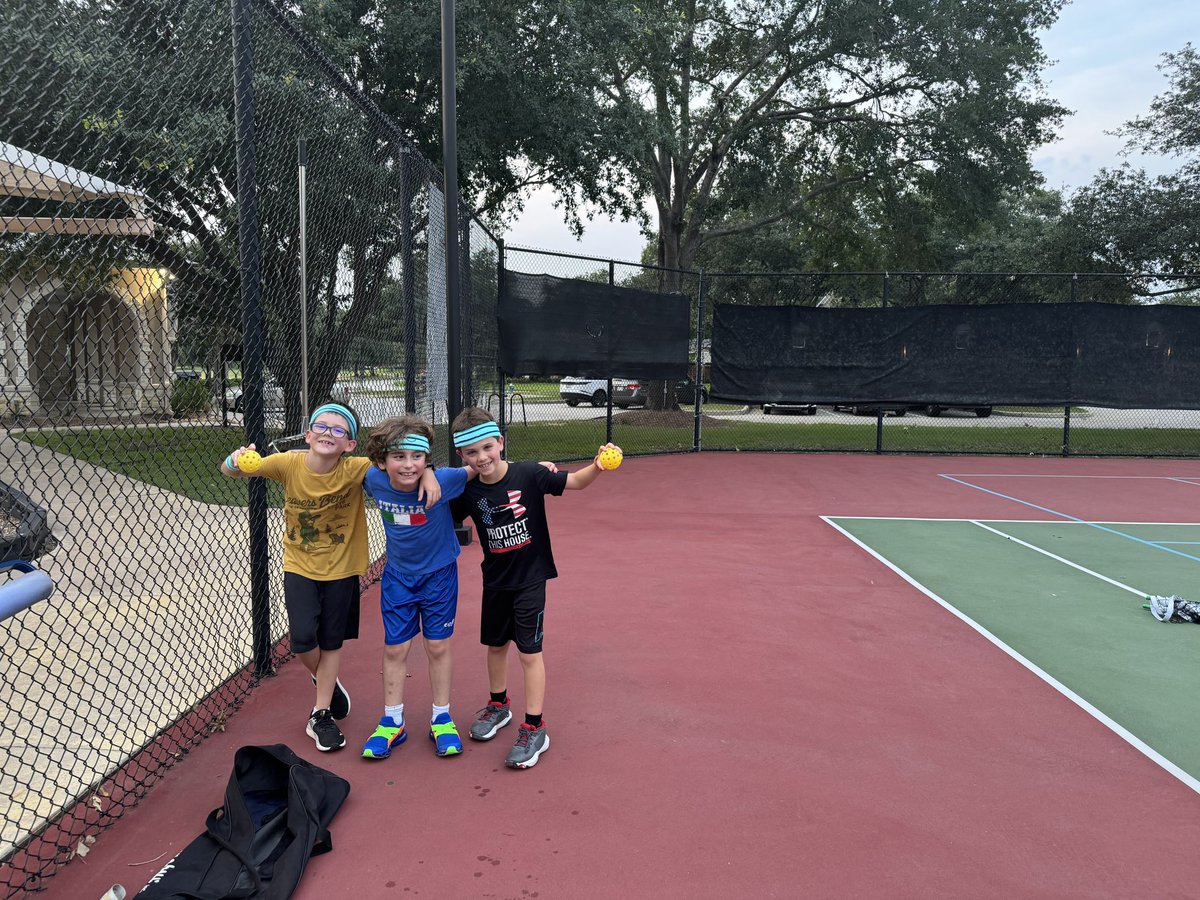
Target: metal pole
pixel 608 388
pixel 302 165
pixel 887 285
pixel 499 371
pixel 699 362
pixel 252 321
pixel 450 175
pixel 1066 442
pixel 408 280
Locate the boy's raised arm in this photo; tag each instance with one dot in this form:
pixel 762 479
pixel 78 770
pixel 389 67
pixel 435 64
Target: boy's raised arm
pixel 577 481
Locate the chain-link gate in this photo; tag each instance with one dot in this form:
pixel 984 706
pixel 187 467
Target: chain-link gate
pixel 127 376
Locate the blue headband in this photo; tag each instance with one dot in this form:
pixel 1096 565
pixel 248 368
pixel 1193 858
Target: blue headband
pixel 410 442
pixel 476 433
pixel 340 410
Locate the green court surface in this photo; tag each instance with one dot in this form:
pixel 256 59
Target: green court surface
pixel 1066 599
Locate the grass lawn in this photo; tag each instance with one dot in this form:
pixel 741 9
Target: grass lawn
pixel 185 458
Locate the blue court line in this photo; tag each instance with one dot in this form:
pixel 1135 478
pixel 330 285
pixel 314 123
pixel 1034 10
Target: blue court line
pixel 1071 518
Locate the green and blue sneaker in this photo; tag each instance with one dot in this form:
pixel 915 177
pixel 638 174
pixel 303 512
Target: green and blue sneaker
pixel 444 736
pixel 386 736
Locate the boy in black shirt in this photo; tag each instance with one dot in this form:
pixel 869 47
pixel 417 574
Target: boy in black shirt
pixel 507 502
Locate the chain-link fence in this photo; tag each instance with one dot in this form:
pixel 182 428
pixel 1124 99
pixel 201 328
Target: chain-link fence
pixel 131 367
pixel 127 375
pixel 565 418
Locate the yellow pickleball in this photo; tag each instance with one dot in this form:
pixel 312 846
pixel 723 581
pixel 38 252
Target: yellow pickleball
pixel 249 461
pixel 610 458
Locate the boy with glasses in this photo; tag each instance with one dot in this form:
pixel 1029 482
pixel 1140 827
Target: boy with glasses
pixel 324 553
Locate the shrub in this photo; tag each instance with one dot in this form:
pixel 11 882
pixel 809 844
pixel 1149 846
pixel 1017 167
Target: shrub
pixel 188 397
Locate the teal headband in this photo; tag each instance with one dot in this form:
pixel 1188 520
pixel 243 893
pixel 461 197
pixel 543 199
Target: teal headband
pixel 476 433
pixel 410 442
pixel 340 410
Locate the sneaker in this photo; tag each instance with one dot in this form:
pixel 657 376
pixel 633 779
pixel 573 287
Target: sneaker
pixel 324 731
pixel 388 735
pixel 444 736
pixel 339 706
pixel 531 743
pixel 490 719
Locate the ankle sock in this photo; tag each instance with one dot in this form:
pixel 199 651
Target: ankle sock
pixel 501 697
pixel 438 710
pixel 533 721
pixel 395 713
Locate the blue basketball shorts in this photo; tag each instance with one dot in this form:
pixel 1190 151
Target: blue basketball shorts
pixel 419 604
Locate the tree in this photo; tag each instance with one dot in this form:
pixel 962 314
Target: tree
pixel 1150 224
pixel 742 114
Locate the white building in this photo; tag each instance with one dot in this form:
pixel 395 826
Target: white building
pixel 75 345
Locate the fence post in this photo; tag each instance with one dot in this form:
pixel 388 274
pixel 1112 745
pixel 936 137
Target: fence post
pixel 499 371
pixel 612 280
pixel 408 282
pixel 699 386
pixel 252 323
pixel 1066 442
pixel 887 288
pixel 450 177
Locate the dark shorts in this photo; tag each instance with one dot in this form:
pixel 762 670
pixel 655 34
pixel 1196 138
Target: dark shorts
pixel 419 604
pixel 514 616
pixel 320 613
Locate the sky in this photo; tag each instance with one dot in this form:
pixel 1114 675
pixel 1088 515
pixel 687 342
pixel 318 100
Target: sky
pixel 1103 56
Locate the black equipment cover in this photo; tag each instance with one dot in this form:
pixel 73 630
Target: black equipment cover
pixel 1041 354
pixel 562 326
pixel 276 815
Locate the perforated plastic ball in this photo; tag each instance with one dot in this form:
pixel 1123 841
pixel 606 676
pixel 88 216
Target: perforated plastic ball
pixel 249 461
pixel 610 458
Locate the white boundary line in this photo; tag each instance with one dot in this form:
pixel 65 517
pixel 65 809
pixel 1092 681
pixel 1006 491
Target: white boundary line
pixel 1051 475
pixel 1118 729
pixel 1013 521
pixel 1066 562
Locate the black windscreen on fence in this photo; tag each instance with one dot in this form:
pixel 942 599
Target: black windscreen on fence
pixel 554 325
pixel 1039 354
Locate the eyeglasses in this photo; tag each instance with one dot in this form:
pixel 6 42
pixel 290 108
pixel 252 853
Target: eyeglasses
pixel 321 428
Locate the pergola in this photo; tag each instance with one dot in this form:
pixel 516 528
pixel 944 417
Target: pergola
pixel 30 176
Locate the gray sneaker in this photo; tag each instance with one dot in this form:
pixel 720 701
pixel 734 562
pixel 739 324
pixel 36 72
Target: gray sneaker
pixel 531 743
pixel 490 719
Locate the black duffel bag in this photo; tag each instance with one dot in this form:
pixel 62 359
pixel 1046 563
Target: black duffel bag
pixel 276 815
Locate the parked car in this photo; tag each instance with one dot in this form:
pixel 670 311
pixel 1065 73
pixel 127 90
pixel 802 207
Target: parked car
pixel 186 375
pixel 982 411
pixel 272 396
pixel 789 409
pixel 873 409
pixel 633 393
pixel 574 390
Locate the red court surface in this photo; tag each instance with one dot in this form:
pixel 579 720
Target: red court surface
pixel 742 703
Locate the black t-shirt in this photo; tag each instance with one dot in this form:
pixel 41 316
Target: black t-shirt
pixel 510 517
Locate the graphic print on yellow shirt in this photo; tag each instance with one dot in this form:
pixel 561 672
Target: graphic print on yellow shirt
pixel 325 522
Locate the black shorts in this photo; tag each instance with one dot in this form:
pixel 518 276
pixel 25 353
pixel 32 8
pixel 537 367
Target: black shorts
pixel 514 616
pixel 321 613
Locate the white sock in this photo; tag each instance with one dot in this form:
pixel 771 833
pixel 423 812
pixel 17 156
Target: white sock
pixel 438 710
pixel 395 713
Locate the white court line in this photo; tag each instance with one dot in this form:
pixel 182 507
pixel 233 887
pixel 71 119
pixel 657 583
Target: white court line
pixel 1118 729
pixel 1050 475
pixel 1018 522
pixel 1057 558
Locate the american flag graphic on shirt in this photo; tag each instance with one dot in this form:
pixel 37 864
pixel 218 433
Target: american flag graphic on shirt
pixel 514 503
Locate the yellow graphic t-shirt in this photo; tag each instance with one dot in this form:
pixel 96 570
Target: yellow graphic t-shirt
pixel 325 521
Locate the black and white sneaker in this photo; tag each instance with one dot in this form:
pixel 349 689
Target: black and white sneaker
pixel 324 731
pixel 339 706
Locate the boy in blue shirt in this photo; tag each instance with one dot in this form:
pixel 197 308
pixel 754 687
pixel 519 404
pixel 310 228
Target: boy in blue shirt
pixel 420 580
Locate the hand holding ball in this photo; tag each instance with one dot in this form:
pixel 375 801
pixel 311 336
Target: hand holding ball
pixel 609 458
pixel 249 461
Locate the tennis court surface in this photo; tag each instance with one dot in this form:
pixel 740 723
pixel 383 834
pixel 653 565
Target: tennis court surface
pixel 783 675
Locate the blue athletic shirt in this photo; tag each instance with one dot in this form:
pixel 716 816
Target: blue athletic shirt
pixel 419 540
